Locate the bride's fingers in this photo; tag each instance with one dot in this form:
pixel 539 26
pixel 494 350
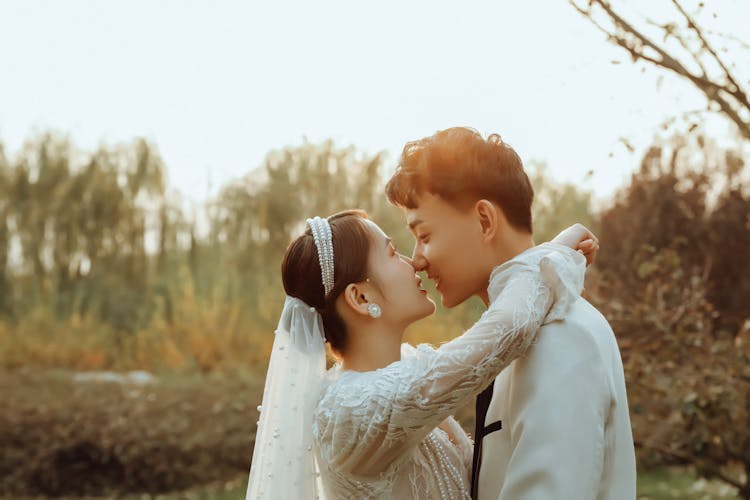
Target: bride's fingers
pixel 593 244
pixel 588 248
pixel 587 245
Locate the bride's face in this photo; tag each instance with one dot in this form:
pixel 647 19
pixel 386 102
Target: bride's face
pixel 398 289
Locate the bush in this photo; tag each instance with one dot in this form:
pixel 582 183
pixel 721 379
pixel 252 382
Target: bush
pixel 60 437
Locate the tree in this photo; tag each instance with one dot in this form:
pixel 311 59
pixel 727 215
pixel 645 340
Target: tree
pixel 81 222
pixel 674 285
pixel 686 49
pixel 558 205
pixel 6 292
pixel 254 219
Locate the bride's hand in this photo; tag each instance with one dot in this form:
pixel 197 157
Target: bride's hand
pixel 579 237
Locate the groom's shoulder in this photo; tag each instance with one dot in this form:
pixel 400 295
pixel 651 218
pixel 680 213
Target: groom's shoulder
pixel 583 317
pixel 583 332
pixel 586 309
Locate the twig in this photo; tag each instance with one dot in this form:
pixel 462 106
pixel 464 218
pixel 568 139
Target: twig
pixel 635 46
pixel 738 93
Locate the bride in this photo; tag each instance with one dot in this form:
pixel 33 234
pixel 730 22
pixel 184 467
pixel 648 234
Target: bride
pixel 378 424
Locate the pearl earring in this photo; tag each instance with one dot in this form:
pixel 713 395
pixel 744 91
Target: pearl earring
pixel 374 310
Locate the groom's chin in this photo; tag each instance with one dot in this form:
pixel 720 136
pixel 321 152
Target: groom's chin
pixel 447 301
pixel 452 300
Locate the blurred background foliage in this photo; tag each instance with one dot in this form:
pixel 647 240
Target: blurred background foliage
pixel 103 269
pixel 135 328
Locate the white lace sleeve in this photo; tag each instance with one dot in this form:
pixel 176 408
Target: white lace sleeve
pixel 367 422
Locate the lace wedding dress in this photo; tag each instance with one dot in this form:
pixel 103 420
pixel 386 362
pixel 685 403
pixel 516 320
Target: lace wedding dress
pixel 388 433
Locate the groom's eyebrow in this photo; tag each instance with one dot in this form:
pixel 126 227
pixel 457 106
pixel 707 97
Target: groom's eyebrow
pixel 415 223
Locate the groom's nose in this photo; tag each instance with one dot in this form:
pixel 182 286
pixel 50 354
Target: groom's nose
pixel 418 261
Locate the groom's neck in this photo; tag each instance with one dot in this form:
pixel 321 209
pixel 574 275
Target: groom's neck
pixel 507 247
pixel 513 245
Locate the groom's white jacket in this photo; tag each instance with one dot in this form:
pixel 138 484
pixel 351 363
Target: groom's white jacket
pixel 565 424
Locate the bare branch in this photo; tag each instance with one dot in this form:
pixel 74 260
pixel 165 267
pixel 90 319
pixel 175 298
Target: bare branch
pixel 733 38
pixel 636 42
pixel 683 43
pixel 741 95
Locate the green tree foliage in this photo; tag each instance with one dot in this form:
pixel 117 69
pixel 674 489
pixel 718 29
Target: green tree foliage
pixel 97 236
pixel 94 249
pixel 79 222
pixel 6 290
pixel 558 205
pixel 255 218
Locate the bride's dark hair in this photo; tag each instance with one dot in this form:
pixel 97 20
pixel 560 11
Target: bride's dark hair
pixel 300 269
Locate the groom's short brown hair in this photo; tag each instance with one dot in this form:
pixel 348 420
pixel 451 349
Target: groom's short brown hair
pixel 461 167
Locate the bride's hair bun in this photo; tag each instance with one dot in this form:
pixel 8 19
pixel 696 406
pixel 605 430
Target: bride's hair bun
pixel 301 274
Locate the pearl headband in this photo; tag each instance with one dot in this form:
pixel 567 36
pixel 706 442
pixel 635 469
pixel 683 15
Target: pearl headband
pixel 321 231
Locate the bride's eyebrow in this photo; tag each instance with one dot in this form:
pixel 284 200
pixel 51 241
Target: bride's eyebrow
pixel 388 242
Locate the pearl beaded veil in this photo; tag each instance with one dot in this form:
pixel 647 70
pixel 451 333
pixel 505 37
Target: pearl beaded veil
pixel 284 464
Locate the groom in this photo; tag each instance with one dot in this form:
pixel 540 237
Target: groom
pixel 555 424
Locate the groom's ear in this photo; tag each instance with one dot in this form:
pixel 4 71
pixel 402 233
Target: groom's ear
pixel 490 218
pixel 355 298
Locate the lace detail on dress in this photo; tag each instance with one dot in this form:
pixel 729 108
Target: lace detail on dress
pixel 376 432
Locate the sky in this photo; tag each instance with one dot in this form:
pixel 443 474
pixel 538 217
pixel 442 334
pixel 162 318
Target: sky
pixel 217 85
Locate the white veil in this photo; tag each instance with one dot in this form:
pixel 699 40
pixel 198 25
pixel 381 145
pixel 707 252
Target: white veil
pixel 284 465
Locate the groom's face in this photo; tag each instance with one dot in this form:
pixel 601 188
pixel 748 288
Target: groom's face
pixel 448 248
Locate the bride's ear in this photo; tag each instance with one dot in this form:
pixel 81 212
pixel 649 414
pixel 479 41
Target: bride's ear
pixel 355 298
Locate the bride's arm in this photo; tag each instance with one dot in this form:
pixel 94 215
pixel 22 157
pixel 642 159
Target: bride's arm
pixel 403 405
pixel 461 368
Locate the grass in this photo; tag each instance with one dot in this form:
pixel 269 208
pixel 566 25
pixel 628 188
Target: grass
pixel 671 483
pixel 231 490
pixel 659 484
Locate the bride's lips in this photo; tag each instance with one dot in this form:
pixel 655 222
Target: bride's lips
pixel 434 279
